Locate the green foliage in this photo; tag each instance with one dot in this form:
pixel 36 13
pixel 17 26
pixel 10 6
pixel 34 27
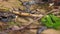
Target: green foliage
pixel 51 21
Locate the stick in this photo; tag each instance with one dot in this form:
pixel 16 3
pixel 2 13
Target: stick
pixel 26 14
pixel 23 14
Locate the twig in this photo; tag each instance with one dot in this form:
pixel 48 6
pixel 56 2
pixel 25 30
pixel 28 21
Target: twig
pixel 26 14
pixel 23 14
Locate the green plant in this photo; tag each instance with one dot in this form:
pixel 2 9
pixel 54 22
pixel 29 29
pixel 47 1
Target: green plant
pixel 51 21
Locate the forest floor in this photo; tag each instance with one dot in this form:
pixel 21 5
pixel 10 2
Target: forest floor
pixel 17 5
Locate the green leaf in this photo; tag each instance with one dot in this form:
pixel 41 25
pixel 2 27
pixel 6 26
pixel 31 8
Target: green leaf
pixel 47 21
pixel 51 21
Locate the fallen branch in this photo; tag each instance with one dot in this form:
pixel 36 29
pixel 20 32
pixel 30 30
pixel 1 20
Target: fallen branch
pixel 22 14
pixel 26 14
